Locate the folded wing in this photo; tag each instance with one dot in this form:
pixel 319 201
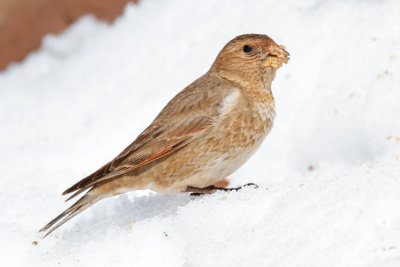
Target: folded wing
pixel 154 143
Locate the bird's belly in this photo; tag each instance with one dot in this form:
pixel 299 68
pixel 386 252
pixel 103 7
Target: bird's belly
pixel 221 167
pixel 214 166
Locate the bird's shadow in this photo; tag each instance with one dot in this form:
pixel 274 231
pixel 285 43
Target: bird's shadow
pixel 118 214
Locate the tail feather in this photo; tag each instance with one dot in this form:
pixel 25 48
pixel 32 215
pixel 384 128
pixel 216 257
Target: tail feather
pixel 83 203
pixel 75 194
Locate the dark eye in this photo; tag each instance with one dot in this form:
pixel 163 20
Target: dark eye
pixel 247 49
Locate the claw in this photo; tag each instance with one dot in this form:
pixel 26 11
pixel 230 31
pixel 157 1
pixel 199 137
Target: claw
pixel 211 189
pixel 251 184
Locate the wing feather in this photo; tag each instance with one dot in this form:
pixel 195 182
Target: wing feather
pixel 171 137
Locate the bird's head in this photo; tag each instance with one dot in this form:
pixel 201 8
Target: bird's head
pixel 250 58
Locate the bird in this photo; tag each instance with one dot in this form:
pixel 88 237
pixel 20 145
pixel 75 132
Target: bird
pixel 204 134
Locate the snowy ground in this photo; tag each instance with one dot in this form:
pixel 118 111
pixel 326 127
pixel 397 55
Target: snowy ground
pixel 329 173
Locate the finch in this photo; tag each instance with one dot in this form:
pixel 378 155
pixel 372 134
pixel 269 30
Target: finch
pixel 204 134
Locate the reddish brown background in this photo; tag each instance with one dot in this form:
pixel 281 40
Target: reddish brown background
pixel 23 23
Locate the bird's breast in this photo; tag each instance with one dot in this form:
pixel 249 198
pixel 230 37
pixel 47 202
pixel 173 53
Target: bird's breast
pixel 246 120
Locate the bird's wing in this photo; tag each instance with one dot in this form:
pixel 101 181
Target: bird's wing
pixel 185 118
pixel 154 143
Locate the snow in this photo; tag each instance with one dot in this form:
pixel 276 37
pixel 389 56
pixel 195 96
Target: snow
pixel 328 174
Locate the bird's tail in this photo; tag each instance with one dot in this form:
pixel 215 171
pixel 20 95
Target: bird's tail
pixel 83 203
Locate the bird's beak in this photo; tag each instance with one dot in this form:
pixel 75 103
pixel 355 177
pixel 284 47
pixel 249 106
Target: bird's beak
pixel 277 55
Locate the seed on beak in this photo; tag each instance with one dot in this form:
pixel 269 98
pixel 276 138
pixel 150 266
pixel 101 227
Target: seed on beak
pixel 278 56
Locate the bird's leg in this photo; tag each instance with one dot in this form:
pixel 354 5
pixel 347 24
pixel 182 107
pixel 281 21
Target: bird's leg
pixel 200 191
pixel 195 191
pixel 222 183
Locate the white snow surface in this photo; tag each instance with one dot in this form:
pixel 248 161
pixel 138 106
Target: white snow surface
pixel 328 174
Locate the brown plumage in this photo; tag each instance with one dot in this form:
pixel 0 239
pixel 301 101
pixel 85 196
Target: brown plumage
pixel 202 135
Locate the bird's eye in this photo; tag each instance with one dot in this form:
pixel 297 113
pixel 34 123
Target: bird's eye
pixel 247 49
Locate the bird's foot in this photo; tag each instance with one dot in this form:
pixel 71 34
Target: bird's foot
pixel 195 191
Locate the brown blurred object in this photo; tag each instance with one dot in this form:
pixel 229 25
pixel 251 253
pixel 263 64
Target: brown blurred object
pixel 23 23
